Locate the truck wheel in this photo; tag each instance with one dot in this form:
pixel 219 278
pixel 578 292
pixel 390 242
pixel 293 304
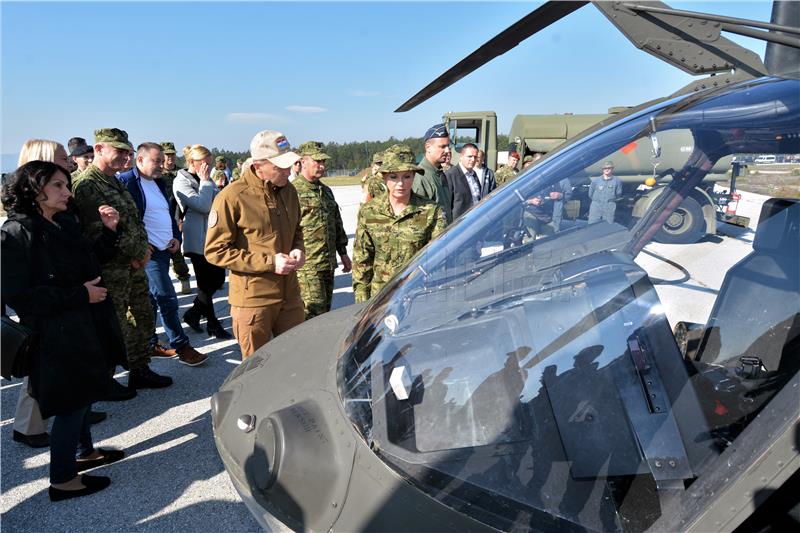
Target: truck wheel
pixel 685 225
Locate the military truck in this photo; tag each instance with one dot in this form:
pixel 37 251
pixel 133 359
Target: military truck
pixel 638 165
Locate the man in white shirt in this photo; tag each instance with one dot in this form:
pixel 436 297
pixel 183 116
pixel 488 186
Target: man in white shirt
pixel 164 238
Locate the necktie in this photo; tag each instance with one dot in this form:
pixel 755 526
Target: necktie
pixel 474 187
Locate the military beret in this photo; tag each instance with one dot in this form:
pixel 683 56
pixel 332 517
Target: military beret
pixel 169 148
pixel 313 149
pixel 113 136
pixel 513 154
pixel 437 131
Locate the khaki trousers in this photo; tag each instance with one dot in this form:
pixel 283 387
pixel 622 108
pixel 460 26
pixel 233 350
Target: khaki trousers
pixel 255 326
pixel 28 419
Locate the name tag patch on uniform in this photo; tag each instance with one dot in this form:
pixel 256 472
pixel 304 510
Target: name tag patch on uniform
pixel 212 218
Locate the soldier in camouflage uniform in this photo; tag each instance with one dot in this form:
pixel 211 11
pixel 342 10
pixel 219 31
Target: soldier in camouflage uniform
pixel 179 265
pixel 323 231
pixel 509 171
pixel 372 184
pixel 392 227
pixel 237 172
pixel 124 276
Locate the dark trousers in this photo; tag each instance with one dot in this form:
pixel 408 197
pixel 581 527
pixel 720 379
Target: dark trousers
pixel 70 433
pixel 210 279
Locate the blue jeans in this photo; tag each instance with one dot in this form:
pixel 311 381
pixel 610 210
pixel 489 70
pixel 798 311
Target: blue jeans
pixel 70 432
pixel 163 293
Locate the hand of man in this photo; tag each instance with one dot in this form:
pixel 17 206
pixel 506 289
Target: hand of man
pixel 109 216
pixel 347 265
pixel 96 294
pixel 535 201
pixel 284 264
pixel 555 195
pixel 299 256
pixel 173 245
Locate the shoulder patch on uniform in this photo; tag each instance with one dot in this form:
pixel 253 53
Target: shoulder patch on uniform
pixel 212 218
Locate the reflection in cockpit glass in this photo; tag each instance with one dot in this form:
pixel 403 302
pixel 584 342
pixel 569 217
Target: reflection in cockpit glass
pixel 541 368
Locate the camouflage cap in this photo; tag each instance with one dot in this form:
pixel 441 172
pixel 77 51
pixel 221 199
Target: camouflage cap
pixel 220 159
pixel 377 158
pixel 399 162
pixel 113 136
pixel 313 149
pixel 239 161
pixel 399 149
pixel 169 147
pixel 527 158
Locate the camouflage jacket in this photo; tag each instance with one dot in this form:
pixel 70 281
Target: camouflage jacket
pixel 504 175
pixel 93 189
pixel 432 186
pixel 236 174
pixel 385 243
pixel 321 220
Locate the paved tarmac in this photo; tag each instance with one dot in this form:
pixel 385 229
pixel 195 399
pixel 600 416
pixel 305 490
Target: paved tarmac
pixel 172 478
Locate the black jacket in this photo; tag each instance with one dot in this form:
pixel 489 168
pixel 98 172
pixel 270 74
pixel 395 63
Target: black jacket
pixel 77 344
pixel 461 197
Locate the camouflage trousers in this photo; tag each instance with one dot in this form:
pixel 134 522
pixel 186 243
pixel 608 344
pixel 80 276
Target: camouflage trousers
pixel 180 267
pixel 130 294
pixel 316 289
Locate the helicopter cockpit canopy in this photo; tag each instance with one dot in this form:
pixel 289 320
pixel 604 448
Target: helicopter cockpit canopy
pixel 523 367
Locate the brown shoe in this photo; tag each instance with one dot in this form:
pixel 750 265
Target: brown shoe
pixel 159 350
pixel 189 356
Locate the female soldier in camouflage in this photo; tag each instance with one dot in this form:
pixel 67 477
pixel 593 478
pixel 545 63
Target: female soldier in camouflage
pixel 392 227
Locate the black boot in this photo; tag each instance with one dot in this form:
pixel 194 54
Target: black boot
pixel 192 318
pixel 215 329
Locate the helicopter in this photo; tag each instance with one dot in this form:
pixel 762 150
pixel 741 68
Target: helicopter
pixel 553 380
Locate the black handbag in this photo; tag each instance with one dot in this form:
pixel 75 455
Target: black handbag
pixel 15 349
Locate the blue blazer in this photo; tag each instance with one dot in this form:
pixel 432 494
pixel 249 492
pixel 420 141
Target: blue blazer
pixel 132 181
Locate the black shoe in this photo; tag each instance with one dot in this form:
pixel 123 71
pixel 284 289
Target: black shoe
pixel 95 417
pixel 108 457
pixel 216 330
pixel 119 392
pixel 40 440
pixel 91 484
pixel 144 378
pixel 193 320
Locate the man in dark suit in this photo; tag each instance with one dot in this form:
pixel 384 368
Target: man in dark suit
pixel 466 189
pixel 485 175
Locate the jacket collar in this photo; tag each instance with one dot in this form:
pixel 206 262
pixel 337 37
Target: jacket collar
pixel 252 180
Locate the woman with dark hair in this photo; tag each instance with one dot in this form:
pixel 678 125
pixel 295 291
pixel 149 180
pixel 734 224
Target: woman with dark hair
pixel 51 278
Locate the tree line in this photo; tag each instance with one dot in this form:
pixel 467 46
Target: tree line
pixel 350 155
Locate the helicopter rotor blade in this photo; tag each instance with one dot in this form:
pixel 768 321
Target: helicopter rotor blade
pixel 533 22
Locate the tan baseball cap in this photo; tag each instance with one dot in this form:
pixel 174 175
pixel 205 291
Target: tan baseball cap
pixel 273 146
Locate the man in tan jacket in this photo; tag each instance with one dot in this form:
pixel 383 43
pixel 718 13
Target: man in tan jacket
pixel 254 230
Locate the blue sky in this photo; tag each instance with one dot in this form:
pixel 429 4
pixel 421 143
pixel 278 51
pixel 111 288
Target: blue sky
pixel 215 73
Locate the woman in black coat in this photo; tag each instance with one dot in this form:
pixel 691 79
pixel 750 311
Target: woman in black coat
pixel 51 278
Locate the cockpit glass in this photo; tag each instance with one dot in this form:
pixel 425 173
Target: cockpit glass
pixel 581 338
